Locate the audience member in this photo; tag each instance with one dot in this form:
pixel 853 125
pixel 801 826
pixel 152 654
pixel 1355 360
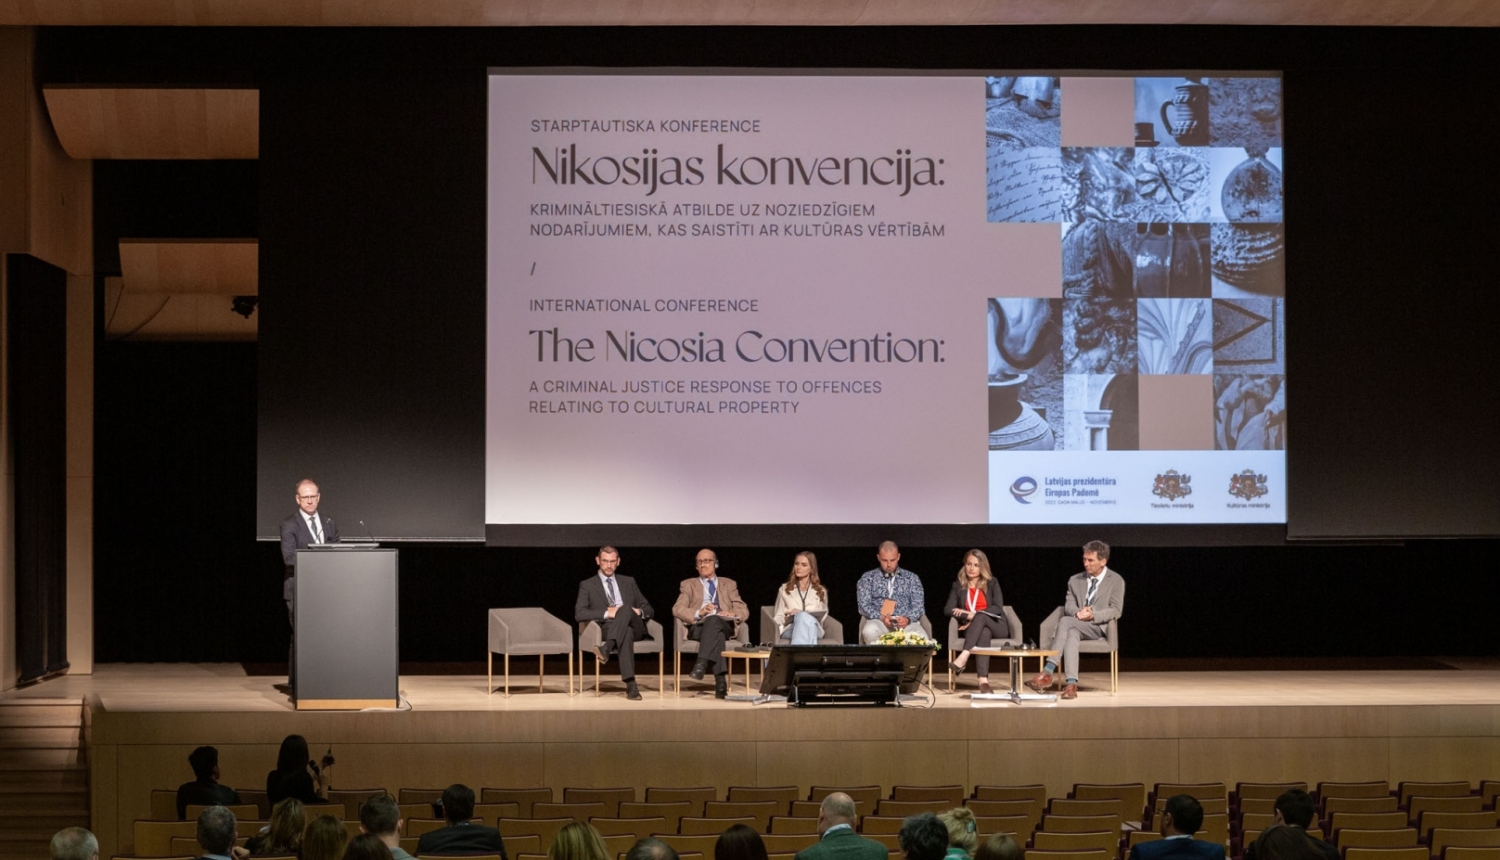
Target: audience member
pixel 999 847
pixel 651 848
pixel 740 842
pixel 1181 817
pixel 283 833
pixel 836 837
pixel 325 839
pixel 367 846
pixel 889 597
pixel 1284 842
pixel 205 788
pixel 1295 808
pixel 963 832
pixel 460 836
pixel 380 816
pixel 923 837
pixel 75 843
pixel 216 833
pixel 296 775
pixel 710 607
pixel 577 841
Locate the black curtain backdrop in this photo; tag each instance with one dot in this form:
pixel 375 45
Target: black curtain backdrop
pixel 36 335
pixel 371 212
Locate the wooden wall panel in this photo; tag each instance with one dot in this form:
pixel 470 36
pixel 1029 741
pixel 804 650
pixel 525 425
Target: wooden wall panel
pixel 226 267
pixel 155 122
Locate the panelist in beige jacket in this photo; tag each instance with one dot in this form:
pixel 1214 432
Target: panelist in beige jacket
pixel 711 607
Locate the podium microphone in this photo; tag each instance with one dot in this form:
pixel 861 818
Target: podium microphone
pixel 367 531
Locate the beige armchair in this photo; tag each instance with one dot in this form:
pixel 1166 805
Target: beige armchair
pixel 589 634
pixel 529 631
pixel 1110 644
pixel 956 640
pixel 833 629
pixel 682 645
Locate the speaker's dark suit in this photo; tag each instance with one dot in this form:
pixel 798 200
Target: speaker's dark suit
pixel 625 628
pixel 461 839
pixel 296 535
pixel 1177 849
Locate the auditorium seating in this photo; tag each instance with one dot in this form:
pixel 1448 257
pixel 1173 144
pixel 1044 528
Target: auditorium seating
pixel 1092 821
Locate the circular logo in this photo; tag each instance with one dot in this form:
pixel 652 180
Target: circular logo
pixel 1023 488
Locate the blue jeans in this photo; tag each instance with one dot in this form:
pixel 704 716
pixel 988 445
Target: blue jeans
pixel 804 630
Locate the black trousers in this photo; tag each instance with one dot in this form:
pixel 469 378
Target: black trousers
pixel 624 630
pixel 978 635
pixel 713 632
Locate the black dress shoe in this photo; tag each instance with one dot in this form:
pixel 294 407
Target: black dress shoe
pixel 721 687
pixel 699 669
pixel 603 650
pixel 958 668
pixel 631 692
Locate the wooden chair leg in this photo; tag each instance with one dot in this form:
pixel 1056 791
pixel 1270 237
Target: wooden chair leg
pixel 490 673
pixel 596 678
pixel 507 674
pixel 541 672
pixel 661 674
pixel 570 674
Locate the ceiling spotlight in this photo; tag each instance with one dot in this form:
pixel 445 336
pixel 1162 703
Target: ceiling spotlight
pixel 244 305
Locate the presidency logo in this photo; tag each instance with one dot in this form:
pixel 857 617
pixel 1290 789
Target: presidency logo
pixel 1023 488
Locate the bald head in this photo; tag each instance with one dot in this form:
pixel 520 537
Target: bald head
pixel 837 808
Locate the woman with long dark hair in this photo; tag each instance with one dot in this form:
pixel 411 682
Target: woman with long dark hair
pixel 296 775
pixel 796 602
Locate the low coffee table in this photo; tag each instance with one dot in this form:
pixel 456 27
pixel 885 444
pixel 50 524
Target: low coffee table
pixel 1017 656
pixel 747 655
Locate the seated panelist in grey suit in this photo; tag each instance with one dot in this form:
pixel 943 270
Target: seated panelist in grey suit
pixel 1095 598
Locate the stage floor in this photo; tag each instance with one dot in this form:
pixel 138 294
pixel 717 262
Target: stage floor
pixel 190 687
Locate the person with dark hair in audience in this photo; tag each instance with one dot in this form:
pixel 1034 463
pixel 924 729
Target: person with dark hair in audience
pixel 325 839
pixel 1181 817
pixel 963 832
pixel 296 775
pixel 999 847
pixel 460 836
pixel 380 816
pixel 283 833
pixel 205 789
pixel 577 841
pixel 367 846
pixel 837 840
pixel 1295 809
pixel 621 611
pixel 216 833
pixel 923 837
pixel 77 843
pixel 651 848
pixel 740 842
pixel 1284 842
pixel 710 607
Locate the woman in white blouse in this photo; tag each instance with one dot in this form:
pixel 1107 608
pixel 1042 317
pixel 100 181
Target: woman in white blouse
pixel 802 595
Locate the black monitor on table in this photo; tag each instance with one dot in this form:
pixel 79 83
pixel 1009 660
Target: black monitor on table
pixel 844 674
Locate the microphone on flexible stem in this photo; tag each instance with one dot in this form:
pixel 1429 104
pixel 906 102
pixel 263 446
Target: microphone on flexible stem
pixel 367 531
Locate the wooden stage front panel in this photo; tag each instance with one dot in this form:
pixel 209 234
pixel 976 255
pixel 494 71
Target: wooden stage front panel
pixel 1182 727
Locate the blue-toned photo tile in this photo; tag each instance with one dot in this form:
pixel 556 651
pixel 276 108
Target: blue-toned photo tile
pixel 1244 112
pixel 1101 412
pixel 1249 335
pixel 1248 260
pixel 1172 112
pixel 1249 412
pixel 1246 185
pixel 1025 374
pixel 1175 336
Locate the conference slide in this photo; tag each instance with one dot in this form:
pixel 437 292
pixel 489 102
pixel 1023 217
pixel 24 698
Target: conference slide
pixel 802 298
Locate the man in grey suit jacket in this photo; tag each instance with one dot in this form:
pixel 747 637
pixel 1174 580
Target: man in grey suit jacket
pixel 836 837
pixel 1095 598
pixel 621 611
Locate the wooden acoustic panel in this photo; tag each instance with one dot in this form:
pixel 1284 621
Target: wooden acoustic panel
pixel 155 122
pixel 227 267
pixel 520 13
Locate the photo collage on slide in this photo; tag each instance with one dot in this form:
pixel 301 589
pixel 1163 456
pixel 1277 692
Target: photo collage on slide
pixel 1168 330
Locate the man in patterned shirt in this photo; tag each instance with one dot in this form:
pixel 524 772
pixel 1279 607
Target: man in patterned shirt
pixel 889 581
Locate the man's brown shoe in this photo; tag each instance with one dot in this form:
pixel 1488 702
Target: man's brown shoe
pixel 1070 691
pixel 1040 683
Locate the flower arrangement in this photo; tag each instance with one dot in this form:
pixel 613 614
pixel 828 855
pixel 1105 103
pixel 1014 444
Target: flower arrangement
pixel 903 637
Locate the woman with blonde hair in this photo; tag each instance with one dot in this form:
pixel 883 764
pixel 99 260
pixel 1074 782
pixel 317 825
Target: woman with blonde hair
pixel 283 833
pixel 577 841
pixel 796 602
pixel 976 602
pixel 999 847
pixel 324 840
pixel 963 833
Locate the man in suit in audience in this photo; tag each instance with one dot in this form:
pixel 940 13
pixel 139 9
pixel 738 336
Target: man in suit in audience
pixel 1295 808
pixel 460 836
pixel 205 790
pixel 836 837
pixel 621 612
pixel 216 833
pixel 651 848
pixel 1095 598
pixel 711 607
pixel 74 843
pixel 381 817
pixel 1181 817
